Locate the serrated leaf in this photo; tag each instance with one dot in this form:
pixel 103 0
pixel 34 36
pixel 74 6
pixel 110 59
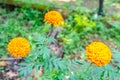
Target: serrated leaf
pixel 105 75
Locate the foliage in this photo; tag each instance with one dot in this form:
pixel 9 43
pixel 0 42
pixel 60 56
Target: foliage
pixel 88 71
pixel 41 56
pixel 82 22
pixel 19 22
pixel 11 28
pixel 108 29
pixel 76 32
pixel 58 68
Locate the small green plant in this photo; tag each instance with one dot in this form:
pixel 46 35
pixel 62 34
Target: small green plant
pixel 9 29
pixel 77 30
pixel 82 22
pixel 41 56
pixel 20 22
pixel 62 69
pixel 108 29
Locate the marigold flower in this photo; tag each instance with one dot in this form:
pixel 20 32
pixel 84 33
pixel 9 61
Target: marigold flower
pixel 54 18
pixel 19 47
pixel 98 53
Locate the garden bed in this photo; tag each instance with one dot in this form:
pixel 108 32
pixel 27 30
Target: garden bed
pixel 59 52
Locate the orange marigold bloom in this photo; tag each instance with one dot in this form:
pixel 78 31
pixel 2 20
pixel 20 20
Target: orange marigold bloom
pixel 54 18
pixel 98 53
pixel 19 47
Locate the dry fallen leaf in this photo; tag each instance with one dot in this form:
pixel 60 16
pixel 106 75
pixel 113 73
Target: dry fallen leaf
pixel 40 72
pixel 11 74
pixel 3 63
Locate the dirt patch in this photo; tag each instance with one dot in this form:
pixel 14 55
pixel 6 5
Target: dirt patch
pixel 91 4
pixel 107 42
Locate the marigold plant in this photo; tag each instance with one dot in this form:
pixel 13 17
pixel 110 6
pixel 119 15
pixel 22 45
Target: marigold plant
pixel 98 53
pixel 19 47
pixel 54 18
